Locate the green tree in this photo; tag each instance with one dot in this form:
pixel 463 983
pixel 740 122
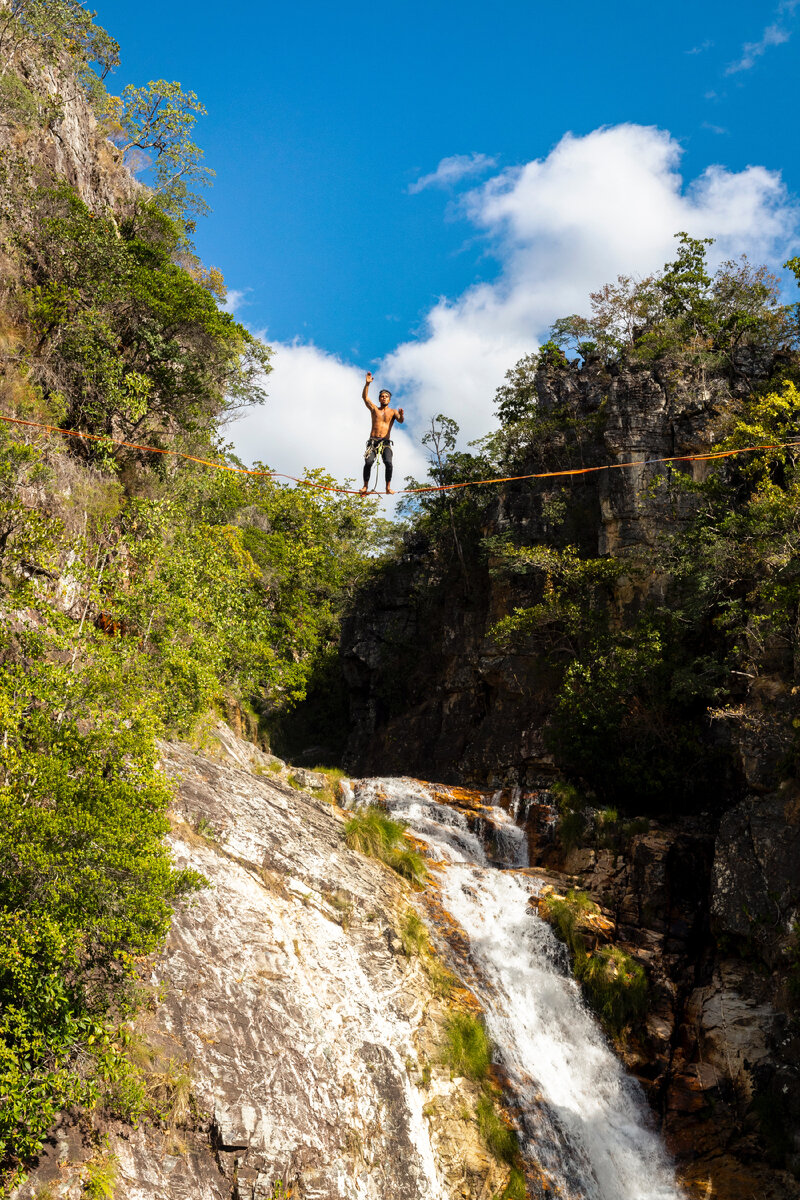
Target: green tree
pixel 153 125
pixel 125 341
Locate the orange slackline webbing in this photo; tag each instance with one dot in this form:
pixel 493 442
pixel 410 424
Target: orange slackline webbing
pixel 323 487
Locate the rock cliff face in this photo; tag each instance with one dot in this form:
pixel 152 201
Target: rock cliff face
pixel 70 146
pixel 430 692
pixel 707 903
pixel 288 1029
pixel 718 1055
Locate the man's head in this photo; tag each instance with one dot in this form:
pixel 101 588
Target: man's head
pixel 384 398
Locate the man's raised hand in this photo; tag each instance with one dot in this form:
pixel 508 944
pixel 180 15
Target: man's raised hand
pixel 369 376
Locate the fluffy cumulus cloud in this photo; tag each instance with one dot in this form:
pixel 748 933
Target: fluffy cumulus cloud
pixel 315 417
pixel 597 206
pixel 453 169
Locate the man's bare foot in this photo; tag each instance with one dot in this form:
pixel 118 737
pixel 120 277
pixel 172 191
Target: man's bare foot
pixel 363 491
pixel 389 491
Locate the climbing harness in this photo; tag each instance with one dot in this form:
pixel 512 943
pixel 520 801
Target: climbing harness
pixel 376 445
pixel 416 491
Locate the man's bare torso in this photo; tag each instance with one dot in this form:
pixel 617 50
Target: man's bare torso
pixel 383 417
pixel 382 421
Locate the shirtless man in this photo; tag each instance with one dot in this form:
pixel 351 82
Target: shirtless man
pixel 383 419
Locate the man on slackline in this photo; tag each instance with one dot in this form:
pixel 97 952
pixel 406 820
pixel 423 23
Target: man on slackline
pixel 379 442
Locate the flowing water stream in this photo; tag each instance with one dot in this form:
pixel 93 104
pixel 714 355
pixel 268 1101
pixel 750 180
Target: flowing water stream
pixel 584 1123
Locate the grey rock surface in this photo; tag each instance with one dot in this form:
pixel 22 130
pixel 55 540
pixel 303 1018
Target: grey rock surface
pixel 284 999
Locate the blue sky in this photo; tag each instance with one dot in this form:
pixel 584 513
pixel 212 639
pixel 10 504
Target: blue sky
pixel 322 120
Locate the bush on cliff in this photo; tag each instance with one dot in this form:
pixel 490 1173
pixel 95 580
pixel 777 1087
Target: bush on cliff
pixel 86 884
pixel 121 339
pixel 613 983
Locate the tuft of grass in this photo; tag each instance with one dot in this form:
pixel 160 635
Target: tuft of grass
pixel 100 1177
pixel 414 934
pixel 371 831
pixel 516 1188
pixel 615 985
pixel 467 1049
pixel 170 1089
pixel 206 830
pixel 498 1135
pixel 567 914
pixel 417 943
pixel 333 779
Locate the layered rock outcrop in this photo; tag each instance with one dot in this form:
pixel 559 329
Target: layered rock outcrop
pixel 69 145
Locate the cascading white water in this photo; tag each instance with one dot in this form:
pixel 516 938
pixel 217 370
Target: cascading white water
pixel 584 1122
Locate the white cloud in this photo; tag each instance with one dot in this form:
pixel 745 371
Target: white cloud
pixel 315 417
pixel 774 35
pixel 560 227
pixel 234 299
pixel 597 206
pixel 451 170
pixel 701 48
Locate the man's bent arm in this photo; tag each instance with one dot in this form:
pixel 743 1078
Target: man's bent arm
pixel 400 416
pixel 365 393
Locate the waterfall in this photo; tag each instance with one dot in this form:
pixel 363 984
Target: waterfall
pixel 583 1121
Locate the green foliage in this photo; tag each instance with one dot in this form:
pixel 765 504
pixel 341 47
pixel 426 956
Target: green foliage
pixel 567 914
pixel 100 1176
pixel 686 314
pixel 129 343
pixel 496 1133
pixel 575 594
pixel 152 125
pixel 372 832
pixel 625 718
pixel 614 984
pixel 18 104
pixel 516 1188
pixel 62 27
pixel 685 283
pixel 516 399
pixel 86 883
pixel 414 934
pixel 571 814
pixel 467 1049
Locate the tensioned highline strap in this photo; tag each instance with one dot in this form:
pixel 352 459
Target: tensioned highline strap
pixel 446 487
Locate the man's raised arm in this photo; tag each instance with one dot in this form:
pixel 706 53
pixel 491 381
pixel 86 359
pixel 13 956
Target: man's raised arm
pixel 365 393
